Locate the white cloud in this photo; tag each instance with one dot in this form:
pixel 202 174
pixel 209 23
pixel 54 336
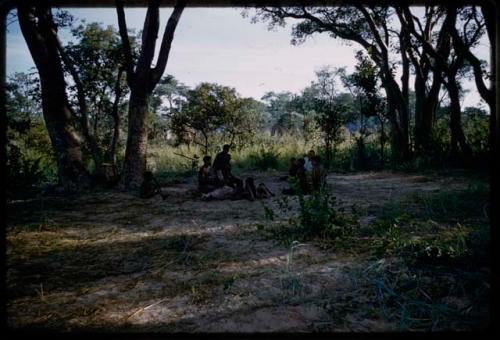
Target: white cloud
pixel 219 45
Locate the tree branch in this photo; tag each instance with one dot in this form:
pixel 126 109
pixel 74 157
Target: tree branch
pixel 122 25
pixel 166 43
pixel 149 36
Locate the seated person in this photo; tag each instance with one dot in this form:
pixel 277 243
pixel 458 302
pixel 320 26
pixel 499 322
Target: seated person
pixel 318 174
pixel 207 180
pixel 222 193
pixel 263 191
pixel 222 168
pixel 252 193
pixel 150 187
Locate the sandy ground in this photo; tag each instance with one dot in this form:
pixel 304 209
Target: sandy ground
pixel 111 261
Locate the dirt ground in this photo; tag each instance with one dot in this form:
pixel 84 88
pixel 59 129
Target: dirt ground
pixel 110 261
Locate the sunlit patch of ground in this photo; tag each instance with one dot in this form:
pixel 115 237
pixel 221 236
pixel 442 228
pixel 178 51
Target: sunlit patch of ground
pixel 109 260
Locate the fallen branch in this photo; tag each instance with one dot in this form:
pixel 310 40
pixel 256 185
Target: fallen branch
pixel 146 308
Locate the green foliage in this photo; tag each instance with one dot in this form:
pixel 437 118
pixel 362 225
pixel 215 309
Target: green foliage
pixel 213 110
pixel 315 217
pixel 30 160
pixel 268 152
pixel 457 205
pixel 168 97
pixel 362 155
pixel 265 159
pixel 442 248
pixel 96 56
pixel 24 174
pixel 477 131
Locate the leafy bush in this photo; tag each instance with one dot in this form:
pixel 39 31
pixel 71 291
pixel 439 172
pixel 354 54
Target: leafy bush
pixel 24 174
pixel 30 160
pixel 315 216
pixel 265 159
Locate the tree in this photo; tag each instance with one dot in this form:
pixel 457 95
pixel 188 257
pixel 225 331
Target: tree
pixel 242 124
pixel 330 119
pixel 95 63
pixel 447 66
pixel 213 110
pixel 168 97
pixel 40 32
pixel 426 95
pixel 30 158
pixel 367 27
pixel 371 102
pixel 282 111
pixel 142 79
pixel 330 112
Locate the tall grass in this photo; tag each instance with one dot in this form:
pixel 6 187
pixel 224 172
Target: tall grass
pixel 264 154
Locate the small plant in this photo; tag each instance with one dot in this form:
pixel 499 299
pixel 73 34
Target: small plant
pixel 290 281
pixel 228 283
pixel 315 216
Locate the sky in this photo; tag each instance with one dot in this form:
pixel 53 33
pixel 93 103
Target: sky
pixel 219 45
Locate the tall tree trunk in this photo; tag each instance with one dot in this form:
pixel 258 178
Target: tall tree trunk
pixel 398 118
pixel 137 141
pixel 39 32
pixel 142 79
pixel 421 135
pixel 426 103
pixel 382 140
pixel 116 119
pixel 459 147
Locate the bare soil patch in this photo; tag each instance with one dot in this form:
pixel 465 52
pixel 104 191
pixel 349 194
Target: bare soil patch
pixel 111 261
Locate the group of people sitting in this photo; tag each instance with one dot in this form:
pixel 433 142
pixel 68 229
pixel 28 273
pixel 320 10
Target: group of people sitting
pixel 216 181
pixel 303 169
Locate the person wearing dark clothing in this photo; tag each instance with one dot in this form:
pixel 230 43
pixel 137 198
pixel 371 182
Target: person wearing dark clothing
pixel 318 174
pixel 252 193
pixel 292 170
pixel 263 191
pixel 150 187
pixel 222 167
pixel 207 180
pixel 294 167
pixel 300 179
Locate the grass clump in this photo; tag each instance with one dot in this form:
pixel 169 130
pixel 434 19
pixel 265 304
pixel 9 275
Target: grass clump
pixel 315 216
pixel 426 298
pixel 447 246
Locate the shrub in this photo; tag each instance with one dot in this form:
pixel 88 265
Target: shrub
pixel 24 174
pixel 265 159
pixel 315 216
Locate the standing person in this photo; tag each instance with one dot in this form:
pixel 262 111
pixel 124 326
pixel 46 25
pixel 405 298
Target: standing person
pixel 207 180
pixel 300 178
pixel 222 167
pixel 308 161
pixel 294 166
pixel 318 174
